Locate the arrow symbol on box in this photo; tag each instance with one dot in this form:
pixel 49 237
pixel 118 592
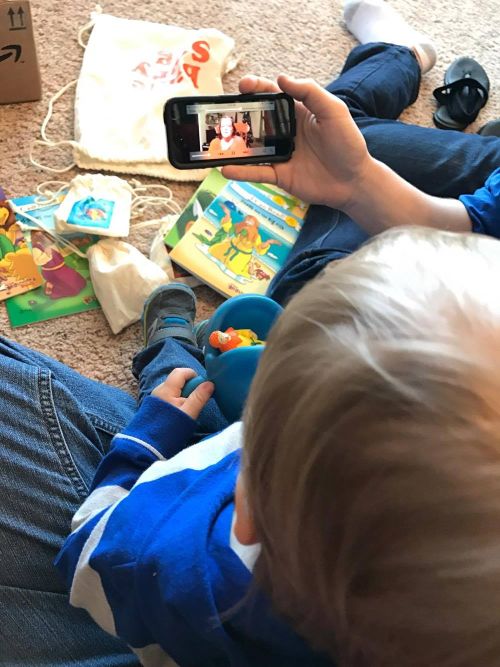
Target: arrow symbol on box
pixel 11 15
pixel 20 12
pixel 13 50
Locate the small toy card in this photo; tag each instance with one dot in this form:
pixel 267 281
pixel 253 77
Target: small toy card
pixel 39 207
pixel 18 270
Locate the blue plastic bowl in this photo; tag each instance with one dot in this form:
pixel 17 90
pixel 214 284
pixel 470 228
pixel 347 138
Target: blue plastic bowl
pixel 232 372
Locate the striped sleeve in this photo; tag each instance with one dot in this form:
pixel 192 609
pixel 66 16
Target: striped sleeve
pixel 157 432
pixel 128 538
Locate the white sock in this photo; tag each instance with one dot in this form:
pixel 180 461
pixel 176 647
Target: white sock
pixel 377 21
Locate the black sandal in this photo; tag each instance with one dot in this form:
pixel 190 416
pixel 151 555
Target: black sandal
pixel 462 97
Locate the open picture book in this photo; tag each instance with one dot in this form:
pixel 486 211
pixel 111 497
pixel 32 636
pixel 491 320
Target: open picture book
pixel 235 236
pixel 62 284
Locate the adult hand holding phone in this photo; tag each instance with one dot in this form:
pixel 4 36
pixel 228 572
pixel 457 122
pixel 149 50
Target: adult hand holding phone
pixel 330 152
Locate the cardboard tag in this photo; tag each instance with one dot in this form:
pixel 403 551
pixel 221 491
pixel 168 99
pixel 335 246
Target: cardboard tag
pixel 19 71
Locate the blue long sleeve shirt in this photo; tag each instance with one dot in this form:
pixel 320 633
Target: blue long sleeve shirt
pixel 153 557
pixel 483 206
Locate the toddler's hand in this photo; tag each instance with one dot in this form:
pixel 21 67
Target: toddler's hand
pixel 170 392
pixel 330 154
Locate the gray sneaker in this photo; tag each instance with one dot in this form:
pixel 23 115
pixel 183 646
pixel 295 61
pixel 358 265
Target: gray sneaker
pixel 200 331
pixel 169 312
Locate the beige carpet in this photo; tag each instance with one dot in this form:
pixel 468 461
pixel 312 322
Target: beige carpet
pixel 301 37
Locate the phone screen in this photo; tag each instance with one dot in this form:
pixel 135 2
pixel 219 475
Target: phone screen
pixel 234 128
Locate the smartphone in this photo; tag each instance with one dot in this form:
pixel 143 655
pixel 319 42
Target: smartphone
pixel 210 131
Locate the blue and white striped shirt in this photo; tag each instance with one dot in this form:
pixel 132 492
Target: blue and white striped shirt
pixel 153 557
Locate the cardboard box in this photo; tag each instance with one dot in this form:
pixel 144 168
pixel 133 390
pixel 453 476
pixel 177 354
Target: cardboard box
pixel 19 71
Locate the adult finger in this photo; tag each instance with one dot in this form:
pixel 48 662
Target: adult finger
pixel 197 400
pixel 257 84
pixel 315 98
pixel 263 174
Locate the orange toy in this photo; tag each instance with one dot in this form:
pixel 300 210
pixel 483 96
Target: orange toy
pixel 233 338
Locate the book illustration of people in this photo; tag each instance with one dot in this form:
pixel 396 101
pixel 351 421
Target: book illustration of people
pixel 60 280
pixel 235 244
pixel 240 240
pixel 18 271
pixel 64 284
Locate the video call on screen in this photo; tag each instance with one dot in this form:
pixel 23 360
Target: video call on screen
pixel 233 130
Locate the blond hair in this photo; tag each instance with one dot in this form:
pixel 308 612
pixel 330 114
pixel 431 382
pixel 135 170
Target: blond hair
pixel 372 454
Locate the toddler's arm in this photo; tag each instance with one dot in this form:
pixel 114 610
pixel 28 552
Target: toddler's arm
pixel 163 426
pixel 141 539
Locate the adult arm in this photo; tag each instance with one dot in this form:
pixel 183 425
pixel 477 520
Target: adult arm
pixel 382 199
pixel 331 165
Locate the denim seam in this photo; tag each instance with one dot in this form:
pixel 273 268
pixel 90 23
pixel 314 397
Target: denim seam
pixel 104 425
pixel 49 412
pixel 25 589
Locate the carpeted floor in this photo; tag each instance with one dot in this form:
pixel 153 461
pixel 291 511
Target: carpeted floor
pixel 300 38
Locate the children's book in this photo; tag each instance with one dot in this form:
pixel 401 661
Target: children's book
pixel 201 199
pixel 18 271
pixel 65 284
pixel 235 236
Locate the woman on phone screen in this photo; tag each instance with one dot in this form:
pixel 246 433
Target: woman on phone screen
pixel 228 143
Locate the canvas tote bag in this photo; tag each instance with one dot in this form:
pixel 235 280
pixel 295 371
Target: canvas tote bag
pixel 130 69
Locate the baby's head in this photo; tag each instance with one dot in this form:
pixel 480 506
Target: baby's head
pixel 371 469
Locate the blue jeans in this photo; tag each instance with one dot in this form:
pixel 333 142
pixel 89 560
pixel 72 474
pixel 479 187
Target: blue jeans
pixel 377 83
pixel 57 425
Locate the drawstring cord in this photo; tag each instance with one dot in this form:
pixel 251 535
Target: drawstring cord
pixel 50 192
pixel 45 141
pixel 141 201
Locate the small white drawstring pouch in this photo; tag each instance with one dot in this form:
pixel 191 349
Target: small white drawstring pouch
pixel 96 204
pixel 130 69
pixel 123 278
